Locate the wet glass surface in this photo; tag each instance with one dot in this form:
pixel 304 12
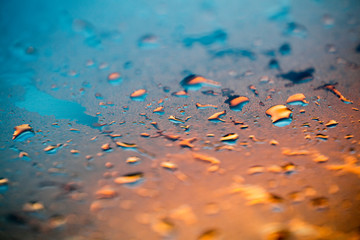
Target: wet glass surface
pixel 180 120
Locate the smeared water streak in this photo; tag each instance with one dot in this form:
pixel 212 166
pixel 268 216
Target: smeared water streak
pixel 47 105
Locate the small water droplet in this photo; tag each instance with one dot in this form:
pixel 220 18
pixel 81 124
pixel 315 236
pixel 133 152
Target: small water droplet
pixel 229 138
pixel 322 136
pixel 130 179
pixel 236 102
pixel 169 165
pixel 187 143
pixel 212 234
pixel 205 158
pixel 148 41
pixel 106 192
pixel 159 110
pixel 204 106
pixel 114 78
pixel 195 82
pixel 297 99
pixel 138 95
pixel 331 124
pixel 33 206
pixel 133 160
pixel 175 119
pixel 106 147
pixel 285 49
pixel 181 93
pixel 320 203
pixel 216 116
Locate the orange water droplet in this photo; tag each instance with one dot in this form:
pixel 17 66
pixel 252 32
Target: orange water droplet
pixel 297 99
pixel 280 115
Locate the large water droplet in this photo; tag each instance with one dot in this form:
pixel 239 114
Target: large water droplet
pixel 280 115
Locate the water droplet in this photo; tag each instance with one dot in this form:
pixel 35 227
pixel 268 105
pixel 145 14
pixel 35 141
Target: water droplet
pixel 172 137
pixel 212 234
pixel 217 36
pixel 130 179
pixel 52 148
pixel 216 117
pixel 331 124
pixel 256 170
pixel 169 165
pixel 289 152
pixel 204 106
pixel 182 93
pixel 126 145
pixel 159 110
pixel 163 227
pixel 205 158
pixel 254 90
pixel 145 135
pixel 23 132
pixel 296 197
pixel 328 20
pixel 229 138
pixel 185 214
pixel 195 82
pixel 187 143
pixel 274 64
pixel 331 88
pixel 273 142
pixel 253 193
pixel 285 49
pixel 280 115
pixel 149 41
pixel 33 206
pixel 319 158
pixel 237 102
pixel 138 95
pixel 57 221
pixel 297 99
pixel 280 234
pixel 106 147
pixel 4 184
pixel 289 168
pixel 235 53
pixel 295 29
pixel 330 48
pixel 210 93
pixel 322 136
pixel 106 192
pixel 114 78
pixel 349 136
pixel 175 119
pixel 320 203
pixel 299 77
pixel 133 160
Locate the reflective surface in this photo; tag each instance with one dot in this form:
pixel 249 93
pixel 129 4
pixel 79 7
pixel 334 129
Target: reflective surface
pixel 180 120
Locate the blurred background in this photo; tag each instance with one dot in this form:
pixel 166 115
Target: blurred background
pixel 101 161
